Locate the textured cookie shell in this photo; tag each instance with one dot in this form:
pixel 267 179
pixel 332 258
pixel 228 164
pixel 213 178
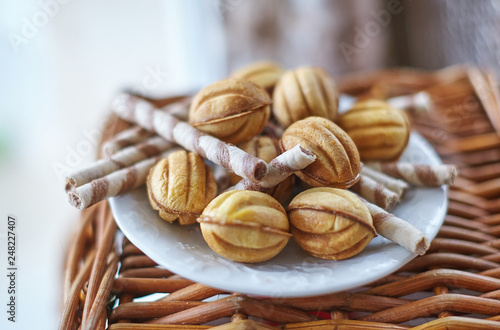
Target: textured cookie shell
pixel 337 164
pixel 330 223
pixel 180 186
pixel 245 226
pixel 380 131
pixel 263 74
pixel 304 92
pixel 232 110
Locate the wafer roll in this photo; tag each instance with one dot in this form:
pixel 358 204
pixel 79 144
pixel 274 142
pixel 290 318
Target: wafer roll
pixel 419 175
pixel 399 187
pixel 113 184
pixel 222 177
pixel 279 169
pixel 124 139
pixel 125 157
pixel 172 129
pixel 419 103
pixel 375 192
pixel 397 230
pixel 272 130
pixel 137 134
pixel 179 110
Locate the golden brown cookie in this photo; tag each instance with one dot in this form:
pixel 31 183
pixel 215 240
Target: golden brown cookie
pixel 304 92
pixel 330 223
pixel 337 164
pixel 379 131
pixel 180 186
pixel 267 148
pixel 232 110
pixel 245 226
pixel 264 74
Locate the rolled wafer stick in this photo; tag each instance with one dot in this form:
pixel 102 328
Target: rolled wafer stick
pixel 125 157
pixel 222 177
pixel 172 129
pixel 397 230
pixel 179 110
pixel 137 134
pixel 124 139
pixel 420 175
pixel 375 192
pixel 113 184
pixel 273 130
pixel 419 103
pixel 396 185
pixel 279 169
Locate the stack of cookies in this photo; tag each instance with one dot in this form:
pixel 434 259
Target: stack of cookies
pixel 269 133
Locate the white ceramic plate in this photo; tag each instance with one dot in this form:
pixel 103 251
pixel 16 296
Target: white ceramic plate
pixel 292 273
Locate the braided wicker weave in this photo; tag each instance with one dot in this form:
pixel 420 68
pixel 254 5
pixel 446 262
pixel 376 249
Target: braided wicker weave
pixel 456 285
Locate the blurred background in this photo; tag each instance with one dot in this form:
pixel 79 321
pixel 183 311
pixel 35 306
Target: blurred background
pixel 63 61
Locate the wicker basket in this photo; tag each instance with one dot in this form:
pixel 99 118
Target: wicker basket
pixel 456 285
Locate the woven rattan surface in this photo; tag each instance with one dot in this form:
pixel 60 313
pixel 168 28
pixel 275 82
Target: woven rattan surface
pixel 456 285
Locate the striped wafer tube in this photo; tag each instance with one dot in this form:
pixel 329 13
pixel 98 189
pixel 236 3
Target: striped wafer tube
pixel 124 139
pixel 172 129
pixel 419 175
pixel 273 130
pixel 397 230
pixel 375 192
pixel 137 134
pixel 397 186
pixel 123 158
pixel 419 103
pixel 222 177
pixel 113 184
pixel 179 110
pixel 279 169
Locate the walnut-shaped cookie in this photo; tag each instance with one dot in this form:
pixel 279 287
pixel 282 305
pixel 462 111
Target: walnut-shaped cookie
pixel 267 148
pixel 330 223
pixel 304 92
pixel 180 186
pixel 264 74
pixel 337 161
pixel 380 131
pixel 232 110
pixel 245 226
